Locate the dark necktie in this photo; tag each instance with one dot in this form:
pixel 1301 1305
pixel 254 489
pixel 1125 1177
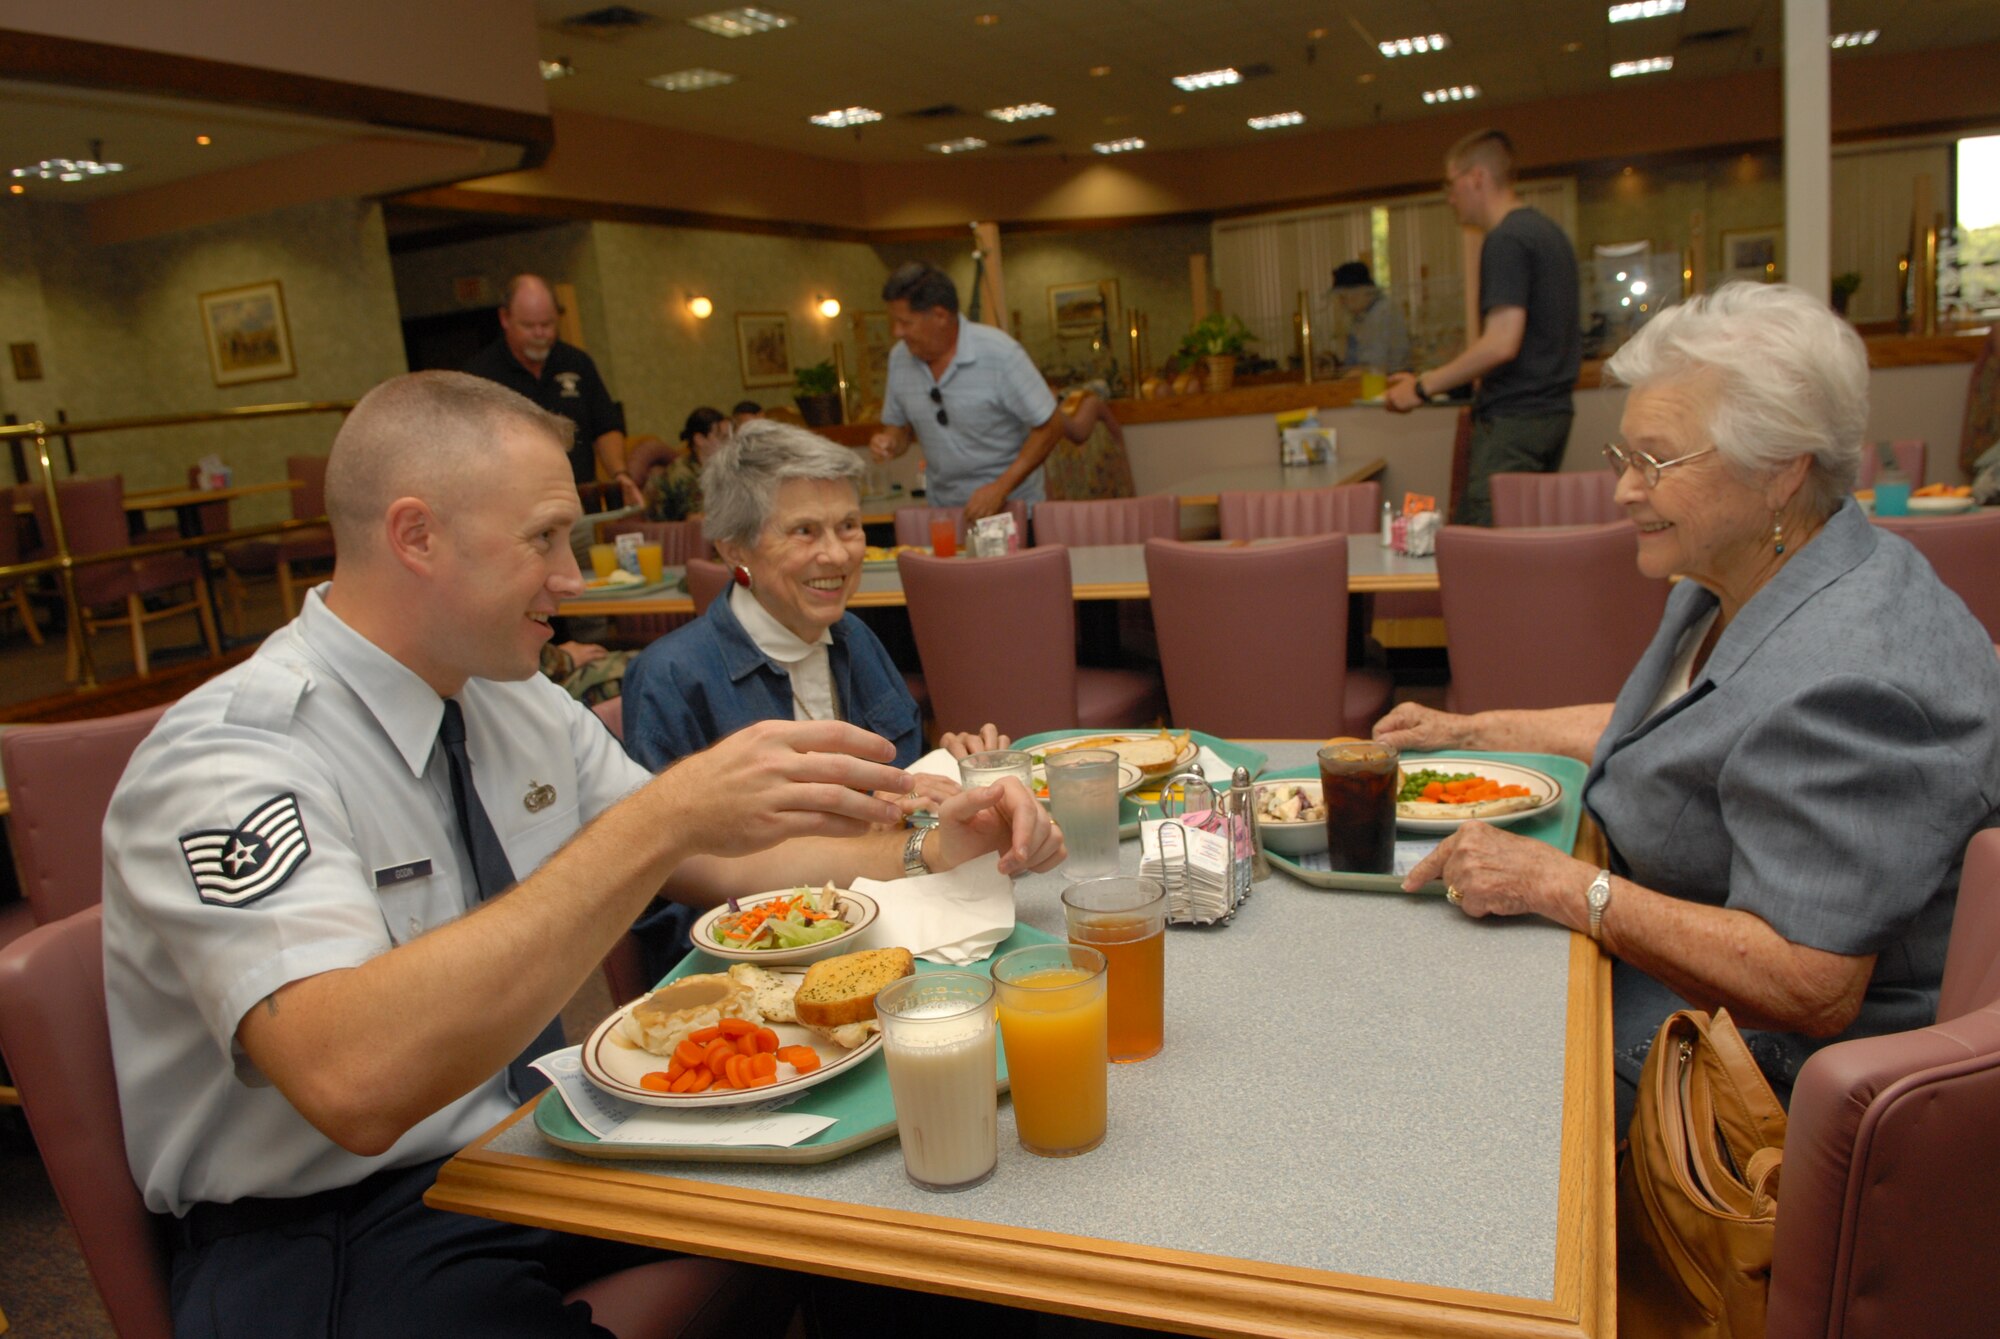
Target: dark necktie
pixel 494 875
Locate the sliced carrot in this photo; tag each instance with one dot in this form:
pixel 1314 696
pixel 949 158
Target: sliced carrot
pixel 767 1040
pixel 717 1055
pixel 766 1065
pixel 762 1081
pixel 685 1083
pixel 735 1072
pixel 804 1059
pixel 736 1027
pixel 688 1052
pixel 675 1068
pixel 656 1082
pixel 703 1036
pixel 703 1080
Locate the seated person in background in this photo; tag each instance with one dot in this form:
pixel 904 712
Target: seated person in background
pixel 587 672
pixel 1790 776
pixel 334 931
pixel 674 493
pixel 784 511
pixel 1377 337
pixel 745 411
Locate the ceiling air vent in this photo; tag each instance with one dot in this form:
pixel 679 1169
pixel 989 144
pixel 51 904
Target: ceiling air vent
pixel 611 21
pixel 1028 141
pixel 1260 70
pixel 943 111
pixel 1712 36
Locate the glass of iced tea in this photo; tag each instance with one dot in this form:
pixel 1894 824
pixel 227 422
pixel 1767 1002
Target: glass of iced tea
pixel 1125 919
pixel 1360 781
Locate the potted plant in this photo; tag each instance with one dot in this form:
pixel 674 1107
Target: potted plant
pixel 1216 341
pixel 1843 289
pixel 817 394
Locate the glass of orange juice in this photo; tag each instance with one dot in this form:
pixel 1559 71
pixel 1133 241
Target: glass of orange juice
pixel 1052 1026
pixel 603 559
pixel 651 563
pixel 1125 919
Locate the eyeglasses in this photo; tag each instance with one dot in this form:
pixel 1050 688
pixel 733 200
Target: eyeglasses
pixel 1622 459
pixel 937 398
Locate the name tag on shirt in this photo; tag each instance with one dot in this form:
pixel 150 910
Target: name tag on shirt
pixel 395 874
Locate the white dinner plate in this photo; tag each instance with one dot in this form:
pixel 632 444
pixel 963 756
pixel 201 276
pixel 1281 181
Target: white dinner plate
pixel 1129 778
pixel 1548 791
pixel 1941 506
pixel 617 1069
pixel 857 909
pixel 1184 759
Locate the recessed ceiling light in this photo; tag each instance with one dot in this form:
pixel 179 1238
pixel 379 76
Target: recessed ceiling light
pixel 1867 38
pixel 1194 83
pixel 965 145
pixel 1277 120
pixel 690 81
pixel 1178 109
pixel 1413 46
pixel 1651 65
pixel 1456 93
pixel 1099 71
pixel 1367 77
pixel 203 140
pixel 1118 145
pixel 1571 48
pixel 986 20
pixel 741 22
pixel 1021 111
pixel 1316 34
pixel 67 169
pixel 842 117
pixel 559 68
pixel 1644 9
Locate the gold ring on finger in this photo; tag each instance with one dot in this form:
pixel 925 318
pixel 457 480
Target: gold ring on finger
pixel 1452 896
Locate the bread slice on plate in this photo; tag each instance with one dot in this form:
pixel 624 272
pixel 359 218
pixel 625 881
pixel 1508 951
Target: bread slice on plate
pixel 839 991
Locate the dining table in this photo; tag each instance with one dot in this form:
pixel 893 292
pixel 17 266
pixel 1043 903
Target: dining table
pixel 186 503
pixel 1372 1116
pixel 1097 572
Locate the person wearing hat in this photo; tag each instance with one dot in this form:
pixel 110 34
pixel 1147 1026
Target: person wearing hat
pixel 1376 334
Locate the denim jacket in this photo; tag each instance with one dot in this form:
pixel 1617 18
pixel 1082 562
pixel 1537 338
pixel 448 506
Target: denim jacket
pixel 707 679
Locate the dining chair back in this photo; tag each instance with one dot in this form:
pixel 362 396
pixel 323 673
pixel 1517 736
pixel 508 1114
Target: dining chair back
pixel 15 592
pixel 649 453
pixel 1234 621
pixel 997 637
pixel 59 782
pixel 706 580
pixel 1543 617
pixel 913 524
pixel 1575 497
pixel 1278 513
pixel 1965 553
pixel 1891 1194
pixel 679 542
pixel 313 544
pixel 1123 520
pixel 1910 455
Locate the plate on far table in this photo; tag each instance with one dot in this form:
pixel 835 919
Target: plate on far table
pixel 1547 792
pixel 1940 506
pixel 617 1068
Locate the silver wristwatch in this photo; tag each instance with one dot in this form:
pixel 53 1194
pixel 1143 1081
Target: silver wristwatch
pixel 1598 898
pixel 913 854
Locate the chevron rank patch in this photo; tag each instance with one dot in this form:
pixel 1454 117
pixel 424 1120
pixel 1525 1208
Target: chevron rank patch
pixel 234 868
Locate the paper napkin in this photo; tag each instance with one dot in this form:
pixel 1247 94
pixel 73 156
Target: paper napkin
pixel 955 918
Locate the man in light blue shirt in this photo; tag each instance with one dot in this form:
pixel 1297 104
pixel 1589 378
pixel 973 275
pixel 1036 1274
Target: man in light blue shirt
pixel 966 391
pixel 1376 335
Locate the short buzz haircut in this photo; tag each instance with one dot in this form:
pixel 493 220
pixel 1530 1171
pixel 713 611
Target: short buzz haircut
pixel 424 434
pixel 1490 149
pixel 739 485
pixel 923 287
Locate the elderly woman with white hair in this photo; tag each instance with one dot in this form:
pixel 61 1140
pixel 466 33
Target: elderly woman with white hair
pixel 1789 777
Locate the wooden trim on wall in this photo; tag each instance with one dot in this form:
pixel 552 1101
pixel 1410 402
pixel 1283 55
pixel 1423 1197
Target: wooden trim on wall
pixel 560 209
pixel 38 58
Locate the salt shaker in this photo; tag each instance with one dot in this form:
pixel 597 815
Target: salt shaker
pixel 1388 520
pixel 1243 806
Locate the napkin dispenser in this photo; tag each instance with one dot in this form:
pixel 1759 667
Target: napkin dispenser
pixel 1201 856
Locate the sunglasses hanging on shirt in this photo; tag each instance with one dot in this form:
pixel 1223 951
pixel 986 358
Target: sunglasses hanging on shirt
pixel 937 398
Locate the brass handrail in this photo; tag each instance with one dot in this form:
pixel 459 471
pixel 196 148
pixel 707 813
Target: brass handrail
pixel 248 411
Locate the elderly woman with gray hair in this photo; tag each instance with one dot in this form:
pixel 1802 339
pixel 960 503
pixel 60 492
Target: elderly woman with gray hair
pixel 784 511
pixel 1789 777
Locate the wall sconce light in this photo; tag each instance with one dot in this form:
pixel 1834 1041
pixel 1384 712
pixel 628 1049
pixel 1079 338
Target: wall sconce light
pixel 700 308
pixel 829 307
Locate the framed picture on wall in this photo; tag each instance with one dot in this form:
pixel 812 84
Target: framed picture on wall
pixel 1752 254
pixel 1085 309
pixel 764 347
pixel 873 338
pixel 248 338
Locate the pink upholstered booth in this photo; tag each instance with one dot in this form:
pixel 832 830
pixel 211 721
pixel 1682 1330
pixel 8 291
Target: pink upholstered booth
pixel 706 580
pixel 1350 509
pixel 679 541
pixel 1123 520
pixel 1911 457
pixel 1549 617
pixel 1581 497
pixel 311 545
pixel 1965 553
pixel 1891 1199
pixel 997 637
pixel 913 524
pixel 59 783
pixel 54 1035
pixel 1226 643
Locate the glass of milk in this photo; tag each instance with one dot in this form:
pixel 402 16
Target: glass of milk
pixel 938 1037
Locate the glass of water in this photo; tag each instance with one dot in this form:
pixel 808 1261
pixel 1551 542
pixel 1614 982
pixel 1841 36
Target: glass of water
pixel 1083 797
pixel 983 769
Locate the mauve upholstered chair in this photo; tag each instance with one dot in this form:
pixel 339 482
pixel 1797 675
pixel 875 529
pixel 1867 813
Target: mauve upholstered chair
pixel 1578 497
pixel 1253 641
pixel 1123 520
pixel 706 580
pixel 59 782
pixel 997 637
pixel 1911 456
pixel 314 544
pixel 1891 1196
pixel 1350 509
pixel 913 524
pixel 1546 617
pixel 58 1045
pixel 1965 553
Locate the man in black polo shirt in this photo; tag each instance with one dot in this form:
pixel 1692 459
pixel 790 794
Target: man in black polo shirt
pixel 561 378
pixel 1530 342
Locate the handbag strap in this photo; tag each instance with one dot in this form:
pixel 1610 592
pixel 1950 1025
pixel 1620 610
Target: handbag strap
pixel 1746 1111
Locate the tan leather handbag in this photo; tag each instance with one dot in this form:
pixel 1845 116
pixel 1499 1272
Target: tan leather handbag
pixel 1698 1187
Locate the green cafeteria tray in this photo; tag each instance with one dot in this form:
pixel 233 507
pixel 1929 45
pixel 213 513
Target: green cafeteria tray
pixel 858 1100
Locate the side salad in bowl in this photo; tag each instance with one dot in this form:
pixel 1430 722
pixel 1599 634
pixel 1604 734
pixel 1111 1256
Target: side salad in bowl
pixel 789 925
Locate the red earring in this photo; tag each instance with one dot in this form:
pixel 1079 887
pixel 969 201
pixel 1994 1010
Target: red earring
pixel 742 577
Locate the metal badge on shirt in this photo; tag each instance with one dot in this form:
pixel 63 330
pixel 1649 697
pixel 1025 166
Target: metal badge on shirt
pixel 570 383
pixel 234 867
pixel 539 797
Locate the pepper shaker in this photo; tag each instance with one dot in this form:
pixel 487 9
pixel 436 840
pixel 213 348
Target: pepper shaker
pixel 1244 806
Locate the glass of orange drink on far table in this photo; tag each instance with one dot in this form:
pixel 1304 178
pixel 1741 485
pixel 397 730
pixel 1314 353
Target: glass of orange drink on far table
pixel 1125 919
pixel 1052 1024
